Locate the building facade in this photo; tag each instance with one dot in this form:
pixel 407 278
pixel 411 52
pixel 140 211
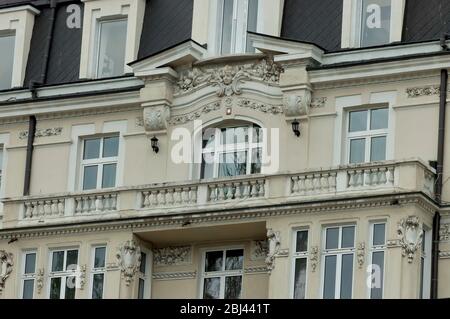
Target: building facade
pixel 224 149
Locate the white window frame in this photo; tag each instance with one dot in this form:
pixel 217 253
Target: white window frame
pixel 99 162
pixel 224 273
pixel 425 258
pixel 377 248
pixel 367 135
pixel 61 274
pixel 219 149
pixel 24 276
pixel 95 271
pixel 338 253
pixel 11 33
pixel 299 255
pixel 146 277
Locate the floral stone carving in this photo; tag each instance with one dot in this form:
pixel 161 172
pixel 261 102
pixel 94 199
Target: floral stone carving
pixel 274 241
pixel 40 280
pixel 361 254
pixel 156 118
pixel 314 258
pixel 169 256
pixel 6 267
pixel 410 232
pixel 297 104
pixel 129 259
pixel 260 249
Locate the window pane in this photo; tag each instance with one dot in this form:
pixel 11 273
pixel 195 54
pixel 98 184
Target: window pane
pixel 70 288
pixel 55 288
pixel 110 146
pixel 332 238
pixel 91 148
pixel 358 121
pixel 348 237
pixel 376 22
pixel 376 291
pixel 329 277
pixel 378 149
pixel 233 287
pixel 357 151
pixel 300 278
pixel 30 263
pixel 211 288
pixel 234 259
pixel 97 286
pixel 207 165
pixel 227 24
pixel 256 161
pixel 141 288
pixel 7 61
pixel 209 137
pixel 99 260
pixel 72 258
pixel 58 261
pixel 143 266
pixel 234 135
pixel 347 276
pixel 379 119
pixel 111 59
pixel 257 134
pixel 213 261
pixel 302 241
pixel 109 176
pixel 28 287
pixel 379 237
pixel 252 20
pixel 90 177
pixel 233 164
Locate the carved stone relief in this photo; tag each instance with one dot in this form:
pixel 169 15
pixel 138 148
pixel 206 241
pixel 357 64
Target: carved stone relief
pixel 444 232
pixel 42 133
pixel 410 232
pixel 314 258
pixel 318 102
pixel 423 91
pixel 261 107
pixel 297 104
pixel 156 118
pixel 170 256
pixel 40 280
pixel 361 254
pixel 259 249
pixel 274 241
pixel 191 116
pixel 6 267
pixel 129 259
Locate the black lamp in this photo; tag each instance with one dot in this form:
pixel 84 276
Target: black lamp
pixel 155 146
pixel 296 128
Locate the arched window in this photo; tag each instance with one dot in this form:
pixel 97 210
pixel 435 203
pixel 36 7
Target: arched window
pixel 231 150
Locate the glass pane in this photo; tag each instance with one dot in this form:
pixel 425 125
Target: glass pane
pixel 302 241
pixel 91 149
pixel 109 176
pixel 72 258
pixel 55 288
pixel 111 57
pixel 100 254
pixel 300 278
pixel 211 288
pixel 70 288
pixel 207 165
pixel 234 135
pixel 141 288
pixel 379 119
pixel 233 287
pixel 233 164
pixel 357 151
pixel 58 261
pixel 378 149
pixel 227 25
pixel 90 177
pixel 348 237
pixel 256 161
pixel 332 238
pixel 329 277
pixel 209 137
pixel 234 259
pixel 257 134
pixel 97 286
pixel 376 22
pixel 422 270
pixel 7 44
pixel 252 20
pixel 30 263
pixel 110 146
pixel 28 287
pixel 143 266
pixel 213 261
pixel 379 237
pixel 376 291
pixel 358 121
pixel 347 276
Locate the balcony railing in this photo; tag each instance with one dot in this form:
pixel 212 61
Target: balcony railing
pixel 373 178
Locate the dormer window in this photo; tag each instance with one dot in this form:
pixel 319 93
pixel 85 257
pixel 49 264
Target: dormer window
pixel 375 22
pixel 7 61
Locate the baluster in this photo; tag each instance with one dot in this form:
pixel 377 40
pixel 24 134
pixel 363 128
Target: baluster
pixel 113 202
pixel 41 211
pixel 146 199
pixel 391 175
pixel 295 186
pixel 170 197
pixel 246 186
pixel 185 195
pixel 221 192
pixel 28 210
pixel 332 182
pixel 212 192
pixel 78 205
pixel 54 207
pixel 238 191
pixel 228 191
pixel 253 189
pixel 302 185
pixel 99 205
pixel 351 178
pixel 324 183
pixel 85 204
pixel 383 175
pixel 47 208
pixel 360 178
pixel 177 196
pixel 154 198
pixel 193 195
pixel 309 184
pixel 316 183
pixel 262 189
pixel 61 207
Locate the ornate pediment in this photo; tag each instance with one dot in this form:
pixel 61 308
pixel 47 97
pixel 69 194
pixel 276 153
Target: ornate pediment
pixel 410 232
pixel 129 259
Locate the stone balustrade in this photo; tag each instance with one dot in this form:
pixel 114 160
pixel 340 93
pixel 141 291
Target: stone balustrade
pixel 170 196
pixel 92 204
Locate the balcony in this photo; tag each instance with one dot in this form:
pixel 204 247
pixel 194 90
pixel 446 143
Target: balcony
pixel 238 192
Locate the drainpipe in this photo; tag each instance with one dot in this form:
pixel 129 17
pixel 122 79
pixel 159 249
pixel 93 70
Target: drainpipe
pixel 31 134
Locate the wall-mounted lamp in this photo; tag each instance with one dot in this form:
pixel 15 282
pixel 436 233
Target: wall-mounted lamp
pixel 296 128
pixel 155 146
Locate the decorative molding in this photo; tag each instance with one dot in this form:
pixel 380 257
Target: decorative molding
pixel 82 276
pixel 318 102
pixel 254 270
pixel 228 78
pixel 274 242
pixel 156 117
pixel 423 91
pixel 42 133
pixel 40 280
pixel 297 104
pixel 261 107
pixel 174 275
pixel 361 254
pixel 444 254
pixel 259 249
pixel 393 243
pixel 314 258
pixel 410 232
pixel 444 232
pixel 129 259
pixel 170 256
pixel 139 121
pixel 6 267
pixel 184 118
